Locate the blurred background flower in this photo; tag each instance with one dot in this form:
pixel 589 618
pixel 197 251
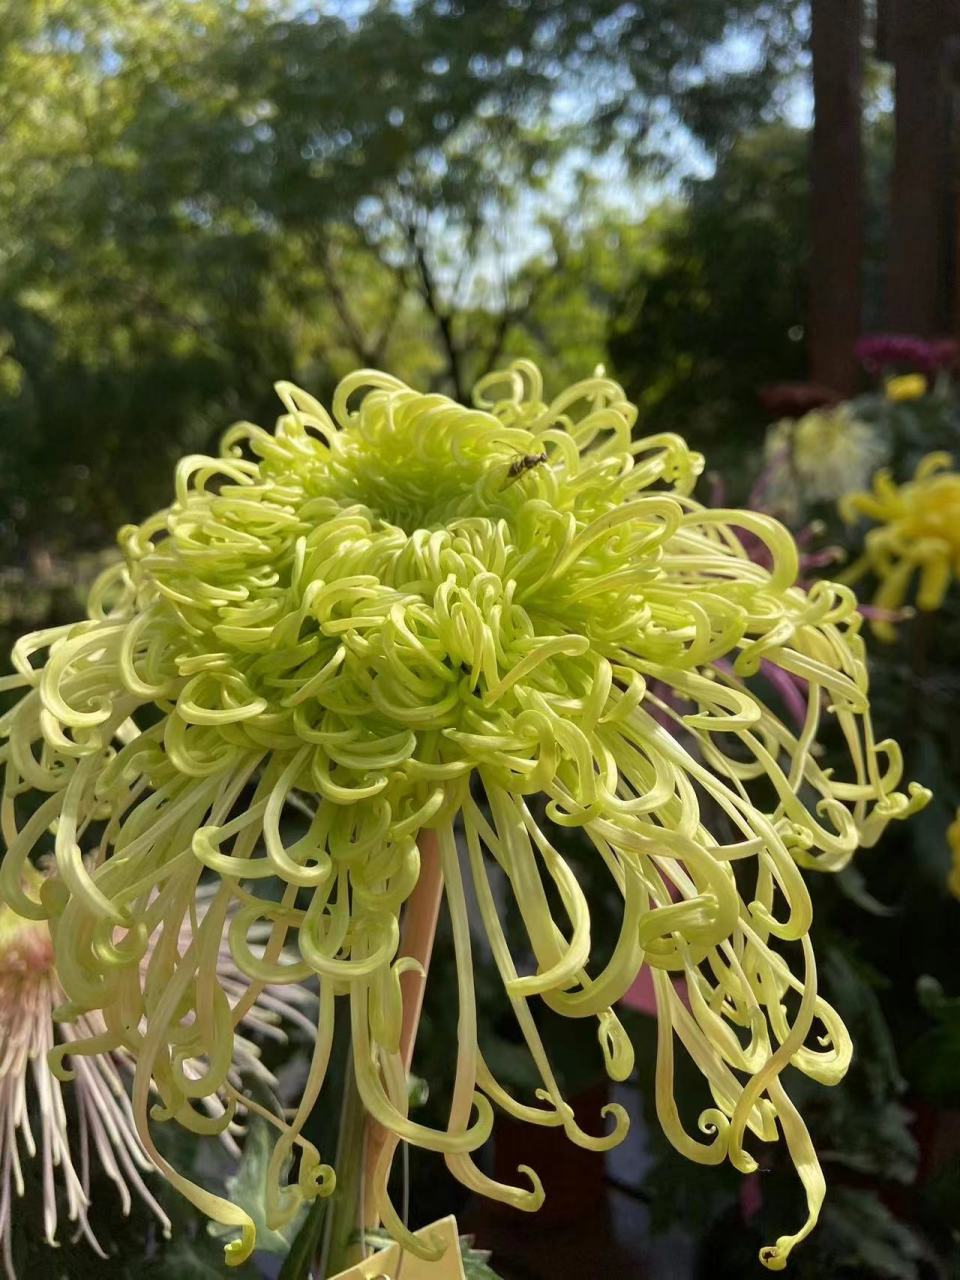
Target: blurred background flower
pixel 908 386
pixel 882 352
pixel 33 1121
pixel 953 835
pixel 818 458
pixel 916 533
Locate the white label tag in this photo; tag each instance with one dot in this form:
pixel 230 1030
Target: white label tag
pixel 391 1264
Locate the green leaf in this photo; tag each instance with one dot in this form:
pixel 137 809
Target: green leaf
pixel 934 1058
pixel 248 1189
pixel 187 1259
pixel 853 885
pixel 306 1245
pixel 863 1238
pixel 476 1262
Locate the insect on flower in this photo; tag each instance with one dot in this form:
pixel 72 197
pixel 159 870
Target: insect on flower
pixel 520 466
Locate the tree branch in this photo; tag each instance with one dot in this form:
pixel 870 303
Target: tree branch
pixel 383 338
pixel 367 353
pixel 441 317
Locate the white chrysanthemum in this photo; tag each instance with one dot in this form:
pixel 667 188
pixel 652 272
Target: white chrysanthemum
pixel 38 1119
pixel 819 458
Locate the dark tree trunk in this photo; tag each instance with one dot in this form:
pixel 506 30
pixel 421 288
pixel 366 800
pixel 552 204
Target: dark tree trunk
pixel 918 289
pixel 883 31
pixel 836 193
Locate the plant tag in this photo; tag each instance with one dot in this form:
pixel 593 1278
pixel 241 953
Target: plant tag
pixel 390 1264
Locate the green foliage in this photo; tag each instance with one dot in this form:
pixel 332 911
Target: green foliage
pixel 864 1127
pixel 476 1262
pixel 247 1187
pixel 860 1237
pixel 914 428
pixel 198 197
pixel 719 308
pixel 186 1257
pixel 306 1244
pixel 934 1058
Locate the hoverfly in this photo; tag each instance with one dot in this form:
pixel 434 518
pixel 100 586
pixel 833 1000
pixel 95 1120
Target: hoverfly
pixel 520 466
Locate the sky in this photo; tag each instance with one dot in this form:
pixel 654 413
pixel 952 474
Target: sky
pixel 631 196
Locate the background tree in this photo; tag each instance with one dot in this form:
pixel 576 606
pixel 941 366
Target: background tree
pixel 719 306
pixel 836 193
pixel 923 36
pixel 195 197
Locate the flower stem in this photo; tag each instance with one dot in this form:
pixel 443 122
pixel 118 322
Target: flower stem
pixel 359 1139
pixel 419 930
pixel 344 1214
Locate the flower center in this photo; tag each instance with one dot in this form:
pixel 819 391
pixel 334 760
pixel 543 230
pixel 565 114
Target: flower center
pixel 414 496
pixel 26 948
pixel 416 462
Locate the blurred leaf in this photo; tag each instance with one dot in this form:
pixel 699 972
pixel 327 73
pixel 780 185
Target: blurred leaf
pixel 476 1262
pixel 853 884
pixel 935 1057
pixel 185 1258
pixel 863 1239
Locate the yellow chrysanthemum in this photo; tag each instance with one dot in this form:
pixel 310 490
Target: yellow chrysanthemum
pixel 918 532
pixel 953 838
pixel 908 386
pixel 417 617
pixel 820 457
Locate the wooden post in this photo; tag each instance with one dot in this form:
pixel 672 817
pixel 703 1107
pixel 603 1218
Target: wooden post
pixel 918 289
pixel 883 31
pixel 836 194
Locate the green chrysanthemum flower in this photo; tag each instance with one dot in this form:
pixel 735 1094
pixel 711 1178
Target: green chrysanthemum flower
pixel 414 617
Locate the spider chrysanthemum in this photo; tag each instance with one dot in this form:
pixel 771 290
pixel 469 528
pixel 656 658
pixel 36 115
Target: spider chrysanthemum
pixel 411 616
pixel 916 534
